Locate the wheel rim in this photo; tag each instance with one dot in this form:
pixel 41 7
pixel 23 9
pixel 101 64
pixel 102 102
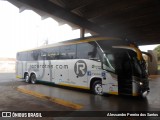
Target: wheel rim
pixel 98 89
pixel 33 79
pixel 27 78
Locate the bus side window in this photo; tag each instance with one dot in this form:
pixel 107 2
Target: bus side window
pixel 49 55
pixel 23 56
pixel 99 54
pixel 35 54
pixel 32 55
pixel 18 56
pixel 68 52
pixel 87 51
pixel 55 53
pixel 110 62
pixel 42 55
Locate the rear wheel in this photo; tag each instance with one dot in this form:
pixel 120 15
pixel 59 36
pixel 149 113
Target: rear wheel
pixel 27 80
pixel 97 88
pixel 33 79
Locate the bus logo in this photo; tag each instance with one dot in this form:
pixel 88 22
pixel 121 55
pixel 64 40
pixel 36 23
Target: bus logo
pixel 80 68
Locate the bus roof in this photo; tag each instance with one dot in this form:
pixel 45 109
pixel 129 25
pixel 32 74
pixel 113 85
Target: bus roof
pixel 74 41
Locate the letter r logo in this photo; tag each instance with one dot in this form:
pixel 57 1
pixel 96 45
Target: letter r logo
pixel 80 68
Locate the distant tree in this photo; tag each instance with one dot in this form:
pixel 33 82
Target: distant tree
pixel 157 49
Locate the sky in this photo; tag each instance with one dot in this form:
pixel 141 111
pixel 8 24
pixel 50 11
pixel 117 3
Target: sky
pixel 25 30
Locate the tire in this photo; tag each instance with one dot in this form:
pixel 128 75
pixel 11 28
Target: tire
pixel 97 88
pixel 33 79
pixel 27 79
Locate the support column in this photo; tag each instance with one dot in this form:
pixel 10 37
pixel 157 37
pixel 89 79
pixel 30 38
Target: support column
pixel 152 66
pixel 82 32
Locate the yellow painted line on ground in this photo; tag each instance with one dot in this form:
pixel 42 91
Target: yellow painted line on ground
pixel 18 76
pixel 52 99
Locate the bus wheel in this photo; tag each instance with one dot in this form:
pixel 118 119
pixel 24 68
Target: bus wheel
pixel 27 80
pixel 33 79
pixel 97 88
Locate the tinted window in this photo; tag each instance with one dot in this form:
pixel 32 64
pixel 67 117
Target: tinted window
pixel 22 56
pixel 35 54
pixel 18 56
pixel 49 54
pixel 30 58
pixel 54 53
pixel 68 52
pixel 87 51
pixel 109 62
pixel 42 55
pixel 111 59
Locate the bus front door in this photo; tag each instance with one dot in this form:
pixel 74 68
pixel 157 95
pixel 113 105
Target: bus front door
pixel 124 73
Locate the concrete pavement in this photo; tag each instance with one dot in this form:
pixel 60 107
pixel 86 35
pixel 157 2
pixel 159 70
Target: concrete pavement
pixel 88 101
pixel 70 100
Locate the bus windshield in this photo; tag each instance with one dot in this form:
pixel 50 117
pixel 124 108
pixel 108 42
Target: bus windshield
pixel 123 62
pixel 138 66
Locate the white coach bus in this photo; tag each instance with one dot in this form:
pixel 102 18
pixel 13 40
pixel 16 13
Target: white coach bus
pixel 100 64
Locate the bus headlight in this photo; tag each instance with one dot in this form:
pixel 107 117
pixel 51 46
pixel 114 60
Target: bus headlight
pixel 140 83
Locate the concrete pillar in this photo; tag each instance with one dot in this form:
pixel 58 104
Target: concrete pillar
pixel 153 66
pixel 82 32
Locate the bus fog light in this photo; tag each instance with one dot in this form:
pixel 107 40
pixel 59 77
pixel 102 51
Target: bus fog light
pixel 140 83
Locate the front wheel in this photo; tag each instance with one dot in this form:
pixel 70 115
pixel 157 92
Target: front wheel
pixel 97 88
pixel 33 79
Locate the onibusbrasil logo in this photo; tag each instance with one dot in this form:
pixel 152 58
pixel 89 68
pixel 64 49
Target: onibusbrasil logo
pixel 80 68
